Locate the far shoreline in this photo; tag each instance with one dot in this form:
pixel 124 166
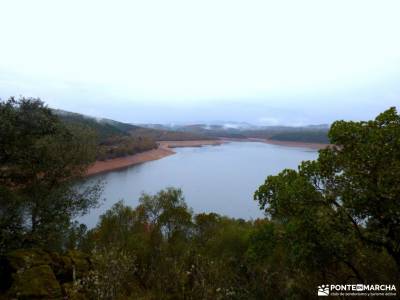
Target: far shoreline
pixel 164 149
pixel 315 146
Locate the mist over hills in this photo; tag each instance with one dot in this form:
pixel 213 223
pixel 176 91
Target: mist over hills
pixel 228 125
pixel 107 128
pixel 244 130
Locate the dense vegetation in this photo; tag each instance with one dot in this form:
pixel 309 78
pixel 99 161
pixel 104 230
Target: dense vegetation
pixel 118 139
pixel 41 160
pixel 334 220
pixel 119 146
pixel 104 128
pixel 169 135
pixel 306 136
pixel 114 139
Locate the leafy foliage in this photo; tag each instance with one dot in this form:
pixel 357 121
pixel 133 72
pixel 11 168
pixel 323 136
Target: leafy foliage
pixel 337 212
pixel 41 159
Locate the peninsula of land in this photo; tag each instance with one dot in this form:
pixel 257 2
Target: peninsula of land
pixel 164 149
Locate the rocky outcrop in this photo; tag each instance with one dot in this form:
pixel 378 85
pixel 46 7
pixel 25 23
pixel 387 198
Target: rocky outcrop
pixel 37 274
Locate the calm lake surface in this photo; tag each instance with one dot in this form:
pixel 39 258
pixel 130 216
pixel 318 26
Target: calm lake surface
pixel 219 179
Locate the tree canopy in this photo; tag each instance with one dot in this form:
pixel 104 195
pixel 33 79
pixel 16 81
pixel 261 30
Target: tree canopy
pixel 344 206
pixel 41 160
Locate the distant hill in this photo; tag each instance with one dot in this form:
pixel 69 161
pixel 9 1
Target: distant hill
pixel 118 139
pixel 309 134
pixel 170 135
pixel 107 128
pixel 306 136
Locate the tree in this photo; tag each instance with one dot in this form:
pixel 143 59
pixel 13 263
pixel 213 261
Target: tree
pixel 168 212
pixel 345 202
pixel 172 255
pixel 41 162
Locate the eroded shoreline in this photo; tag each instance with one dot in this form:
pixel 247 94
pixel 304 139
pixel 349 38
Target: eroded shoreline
pixel 164 149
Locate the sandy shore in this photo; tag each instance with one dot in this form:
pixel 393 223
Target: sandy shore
pixel 163 150
pixel 292 144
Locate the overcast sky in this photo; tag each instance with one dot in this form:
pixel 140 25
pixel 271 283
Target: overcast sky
pixel 266 62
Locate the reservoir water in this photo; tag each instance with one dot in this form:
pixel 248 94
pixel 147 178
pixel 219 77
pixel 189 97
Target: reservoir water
pixel 219 179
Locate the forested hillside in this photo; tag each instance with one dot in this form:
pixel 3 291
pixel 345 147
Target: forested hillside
pixel 170 135
pixel 117 139
pixel 104 128
pixel 314 136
